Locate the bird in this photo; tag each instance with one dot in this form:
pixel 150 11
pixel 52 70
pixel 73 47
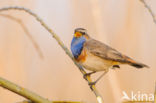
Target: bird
pixel 96 56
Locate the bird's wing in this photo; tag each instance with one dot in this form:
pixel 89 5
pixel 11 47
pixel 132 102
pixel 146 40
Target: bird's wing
pixel 104 51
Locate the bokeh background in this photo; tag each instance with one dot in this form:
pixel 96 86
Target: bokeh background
pixel 123 24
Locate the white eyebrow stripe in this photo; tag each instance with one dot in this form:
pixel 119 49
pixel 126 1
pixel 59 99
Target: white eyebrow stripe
pixel 82 31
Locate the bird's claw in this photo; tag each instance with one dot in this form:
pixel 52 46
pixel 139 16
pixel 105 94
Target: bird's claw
pixel 91 84
pixel 87 74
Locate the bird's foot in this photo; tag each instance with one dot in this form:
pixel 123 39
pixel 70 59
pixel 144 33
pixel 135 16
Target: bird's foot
pixel 88 74
pixel 91 84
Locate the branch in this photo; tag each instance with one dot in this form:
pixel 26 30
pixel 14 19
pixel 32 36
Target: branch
pixel 22 91
pixel 27 94
pixel 93 88
pixel 155 94
pixel 36 46
pixel 26 101
pixel 150 10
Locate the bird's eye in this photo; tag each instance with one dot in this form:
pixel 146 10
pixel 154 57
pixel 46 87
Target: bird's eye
pixel 83 33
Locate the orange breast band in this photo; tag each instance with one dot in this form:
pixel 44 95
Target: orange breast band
pixel 82 56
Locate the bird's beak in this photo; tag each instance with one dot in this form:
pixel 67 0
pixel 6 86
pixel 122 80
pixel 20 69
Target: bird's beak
pixel 77 34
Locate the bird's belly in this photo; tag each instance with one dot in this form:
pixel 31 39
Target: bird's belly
pixel 95 63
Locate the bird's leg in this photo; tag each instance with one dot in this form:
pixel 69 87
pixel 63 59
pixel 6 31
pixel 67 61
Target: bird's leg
pixel 93 83
pixel 88 74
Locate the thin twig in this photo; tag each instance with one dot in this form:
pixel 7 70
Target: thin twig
pixel 19 21
pixel 22 91
pixel 27 101
pixel 150 10
pixel 155 94
pixel 93 88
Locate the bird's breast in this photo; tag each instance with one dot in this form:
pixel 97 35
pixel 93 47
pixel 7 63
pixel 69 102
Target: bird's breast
pixel 92 62
pixel 82 57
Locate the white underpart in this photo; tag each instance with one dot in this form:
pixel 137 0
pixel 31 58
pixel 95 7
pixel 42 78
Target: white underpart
pixel 95 63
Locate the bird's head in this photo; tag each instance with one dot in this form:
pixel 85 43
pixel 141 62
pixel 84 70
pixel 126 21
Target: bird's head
pixel 80 32
pixel 79 38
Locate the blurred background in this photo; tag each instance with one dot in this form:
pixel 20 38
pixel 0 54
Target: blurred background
pixel 126 25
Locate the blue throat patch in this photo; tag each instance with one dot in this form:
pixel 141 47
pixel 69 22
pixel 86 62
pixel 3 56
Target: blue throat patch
pixel 77 46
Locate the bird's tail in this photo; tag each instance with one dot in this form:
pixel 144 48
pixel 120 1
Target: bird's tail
pixel 139 65
pixel 136 64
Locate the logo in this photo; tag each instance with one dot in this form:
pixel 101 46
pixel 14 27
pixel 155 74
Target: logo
pixel 137 96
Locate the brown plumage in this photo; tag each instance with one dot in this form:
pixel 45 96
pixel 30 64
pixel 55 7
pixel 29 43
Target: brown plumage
pixel 105 52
